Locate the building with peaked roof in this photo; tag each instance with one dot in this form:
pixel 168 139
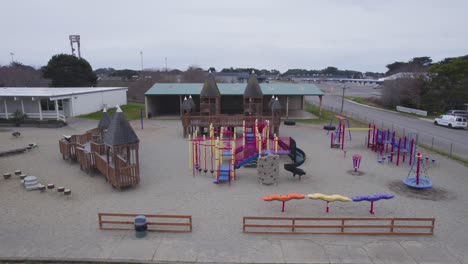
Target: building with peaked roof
pixel 167 98
pixel 58 103
pixel 253 97
pixel 210 97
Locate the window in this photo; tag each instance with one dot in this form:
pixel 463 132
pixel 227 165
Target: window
pixel 48 105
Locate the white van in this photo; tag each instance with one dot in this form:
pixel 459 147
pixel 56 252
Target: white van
pixel 451 121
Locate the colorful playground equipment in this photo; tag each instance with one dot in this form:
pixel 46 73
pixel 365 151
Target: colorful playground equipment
pixel 356 163
pixel 223 151
pixel 372 198
pixel 417 181
pixel 385 141
pixel 283 198
pixel 329 198
pixel 337 138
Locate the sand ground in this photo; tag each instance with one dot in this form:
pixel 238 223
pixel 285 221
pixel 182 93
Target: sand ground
pixel 36 225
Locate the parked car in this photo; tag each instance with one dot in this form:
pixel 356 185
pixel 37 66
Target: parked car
pixel 461 113
pixel 451 121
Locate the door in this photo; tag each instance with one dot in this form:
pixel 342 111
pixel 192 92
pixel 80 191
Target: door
pixel 66 107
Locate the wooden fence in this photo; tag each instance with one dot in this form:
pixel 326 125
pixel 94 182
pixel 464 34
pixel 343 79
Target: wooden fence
pixel 173 223
pixel 339 226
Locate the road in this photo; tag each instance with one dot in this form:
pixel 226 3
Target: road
pixel 443 138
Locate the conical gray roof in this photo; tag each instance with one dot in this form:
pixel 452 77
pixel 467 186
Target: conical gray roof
pixel 186 105
pixel 210 88
pixel 120 132
pixel 253 88
pixel 104 121
pixel 275 106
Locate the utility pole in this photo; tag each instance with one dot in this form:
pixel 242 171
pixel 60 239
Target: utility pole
pixel 12 57
pixel 342 99
pixel 165 59
pixel 141 56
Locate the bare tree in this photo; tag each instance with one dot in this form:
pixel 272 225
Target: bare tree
pixel 19 75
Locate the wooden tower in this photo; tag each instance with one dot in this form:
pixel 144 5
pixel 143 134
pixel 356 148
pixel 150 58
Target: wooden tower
pixel 121 146
pixel 253 97
pixel 210 97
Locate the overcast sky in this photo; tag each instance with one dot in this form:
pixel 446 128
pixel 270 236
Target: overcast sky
pixel 358 35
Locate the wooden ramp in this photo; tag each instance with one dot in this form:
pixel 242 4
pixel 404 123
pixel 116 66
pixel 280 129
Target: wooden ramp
pixel 156 223
pixel 368 226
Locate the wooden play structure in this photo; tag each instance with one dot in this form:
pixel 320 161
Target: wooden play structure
pixel 210 109
pixel 111 149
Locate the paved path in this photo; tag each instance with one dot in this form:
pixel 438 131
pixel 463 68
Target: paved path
pixel 49 226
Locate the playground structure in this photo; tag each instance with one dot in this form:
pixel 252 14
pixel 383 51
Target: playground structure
pixel 372 198
pixel 283 198
pixel 223 151
pixel 385 141
pixel 337 137
pixel 111 148
pixel 210 109
pixel 328 198
pixel 417 181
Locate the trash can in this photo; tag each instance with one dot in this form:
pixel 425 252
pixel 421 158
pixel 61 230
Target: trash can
pixel 140 226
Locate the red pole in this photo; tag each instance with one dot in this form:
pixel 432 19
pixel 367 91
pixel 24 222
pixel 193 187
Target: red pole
pixel 374 139
pixel 406 150
pixel 418 156
pixel 371 207
pixel 331 139
pixel 343 137
pixel 282 209
pixel 411 152
pixel 368 135
pixel 388 140
pixel 328 208
pixel 398 152
pixel 382 142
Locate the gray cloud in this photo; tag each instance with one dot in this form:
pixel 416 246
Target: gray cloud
pixel 361 35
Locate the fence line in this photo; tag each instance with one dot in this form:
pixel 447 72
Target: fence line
pixel 339 226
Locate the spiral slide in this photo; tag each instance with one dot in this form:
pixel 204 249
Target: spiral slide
pixel 298 157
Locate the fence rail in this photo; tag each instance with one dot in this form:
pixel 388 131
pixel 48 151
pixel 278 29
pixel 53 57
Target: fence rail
pixel 339 226
pixel 180 223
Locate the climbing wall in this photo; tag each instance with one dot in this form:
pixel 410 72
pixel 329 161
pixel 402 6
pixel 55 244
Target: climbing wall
pixel 268 169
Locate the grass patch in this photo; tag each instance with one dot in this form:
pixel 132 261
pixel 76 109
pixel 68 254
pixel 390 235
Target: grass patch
pixel 358 100
pixel 446 154
pixel 131 111
pixel 325 117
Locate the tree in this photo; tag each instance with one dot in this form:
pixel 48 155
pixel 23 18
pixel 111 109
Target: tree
pixel 19 75
pixel 448 84
pixel 212 69
pixel 69 71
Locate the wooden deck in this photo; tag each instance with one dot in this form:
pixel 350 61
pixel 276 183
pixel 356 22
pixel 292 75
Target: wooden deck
pixel 189 122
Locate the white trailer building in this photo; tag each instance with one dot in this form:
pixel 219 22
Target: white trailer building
pixel 58 103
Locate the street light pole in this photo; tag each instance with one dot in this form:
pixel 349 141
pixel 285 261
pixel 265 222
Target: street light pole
pixel 342 99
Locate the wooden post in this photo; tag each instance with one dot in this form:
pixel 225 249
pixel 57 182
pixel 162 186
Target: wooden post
pixel 22 106
pixel 40 109
pixel 56 109
pixel 6 108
